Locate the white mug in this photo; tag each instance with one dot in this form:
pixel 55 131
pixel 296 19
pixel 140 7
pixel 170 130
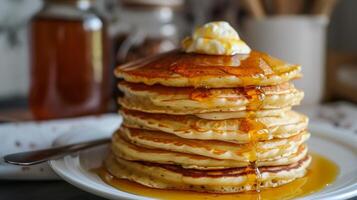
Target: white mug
pixel 294 39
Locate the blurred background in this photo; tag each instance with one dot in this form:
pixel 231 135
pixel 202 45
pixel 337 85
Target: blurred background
pixel 58 54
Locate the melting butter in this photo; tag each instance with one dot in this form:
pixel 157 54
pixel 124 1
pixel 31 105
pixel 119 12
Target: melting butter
pixel 215 38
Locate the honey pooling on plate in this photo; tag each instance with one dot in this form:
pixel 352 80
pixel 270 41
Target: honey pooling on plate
pixel 210 119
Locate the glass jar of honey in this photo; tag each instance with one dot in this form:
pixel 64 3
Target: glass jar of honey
pixel 70 62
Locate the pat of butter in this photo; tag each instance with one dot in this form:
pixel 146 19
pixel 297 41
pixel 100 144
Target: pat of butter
pixel 215 38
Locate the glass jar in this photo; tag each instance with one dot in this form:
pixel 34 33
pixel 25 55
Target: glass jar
pixel 146 28
pixel 70 62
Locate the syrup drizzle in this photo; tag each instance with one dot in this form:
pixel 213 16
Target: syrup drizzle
pixel 251 68
pixel 250 124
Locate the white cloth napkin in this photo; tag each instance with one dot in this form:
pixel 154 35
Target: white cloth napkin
pixel 341 115
pixel 17 137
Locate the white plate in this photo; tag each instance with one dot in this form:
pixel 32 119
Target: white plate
pixel 335 144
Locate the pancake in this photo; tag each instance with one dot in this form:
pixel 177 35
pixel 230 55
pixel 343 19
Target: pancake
pixel 169 100
pixel 213 148
pixel 232 130
pixel 125 150
pixel 244 114
pixel 178 69
pixel 217 181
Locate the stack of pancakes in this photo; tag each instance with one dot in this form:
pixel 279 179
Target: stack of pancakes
pixel 209 123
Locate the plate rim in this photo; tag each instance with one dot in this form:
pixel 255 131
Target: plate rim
pixel 93 190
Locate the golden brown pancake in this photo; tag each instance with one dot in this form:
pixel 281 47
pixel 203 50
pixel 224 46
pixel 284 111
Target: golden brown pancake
pixel 244 114
pixel 218 181
pixel 232 130
pixel 188 100
pixel 125 150
pixel 213 148
pixel 178 69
